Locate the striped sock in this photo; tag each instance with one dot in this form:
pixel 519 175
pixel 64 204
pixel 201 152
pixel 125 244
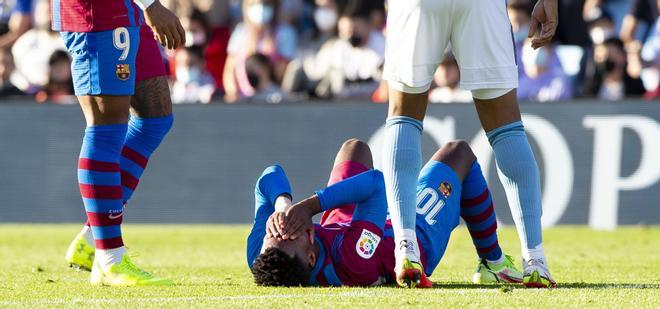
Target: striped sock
pixel 143 137
pixel 99 180
pixel 478 213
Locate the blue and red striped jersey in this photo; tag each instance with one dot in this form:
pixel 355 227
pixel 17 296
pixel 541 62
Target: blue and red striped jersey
pixel 94 15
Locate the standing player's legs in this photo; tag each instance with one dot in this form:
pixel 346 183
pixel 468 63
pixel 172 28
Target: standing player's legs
pixel 354 157
pixel 104 79
pixel 418 32
pixel 103 84
pixel 101 67
pixel 484 49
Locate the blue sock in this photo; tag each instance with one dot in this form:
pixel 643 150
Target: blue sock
pixel 402 160
pixel 100 183
pixel 479 216
pixel 519 175
pixel 143 137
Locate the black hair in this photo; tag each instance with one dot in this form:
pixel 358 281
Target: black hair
pixel 196 51
pixel 275 267
pixel 356 9
pixel 616 42
pixel 57 56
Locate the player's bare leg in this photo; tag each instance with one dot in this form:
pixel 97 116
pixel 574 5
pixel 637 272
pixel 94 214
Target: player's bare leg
pixel 355 150
pixel 518 171
pixel 402 161
pixel 152 98
pixel 104 110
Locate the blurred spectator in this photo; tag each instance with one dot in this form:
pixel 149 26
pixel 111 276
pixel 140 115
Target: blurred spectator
pixel 59 88
pixel 259 32
pixel 16 19
pixel 350 65
pixel 192 83
pixel 601 27
pixel 611 80
pixel 520 14
pixel 197 29
pixel 542 78
pixel 572 29
pixel 212 41
pixel 651 54
pixel 7 88
pixel 326 15
pixel 33 50
pixel 447 78
pixel 644 11
pixel 260 75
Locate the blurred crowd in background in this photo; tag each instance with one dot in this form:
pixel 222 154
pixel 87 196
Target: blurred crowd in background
pixel 307 50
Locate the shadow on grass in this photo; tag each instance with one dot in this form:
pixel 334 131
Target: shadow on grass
pixel 560 285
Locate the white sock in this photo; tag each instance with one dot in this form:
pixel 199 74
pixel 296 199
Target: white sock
pixel 410 249
pixel 89 236
pixel 536 253
pixel 498 261
pixel 108 257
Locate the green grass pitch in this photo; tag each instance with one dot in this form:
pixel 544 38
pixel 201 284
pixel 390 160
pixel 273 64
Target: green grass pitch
pixel 593 269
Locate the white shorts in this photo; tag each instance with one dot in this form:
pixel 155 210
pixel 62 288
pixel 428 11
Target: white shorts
pixel 418 32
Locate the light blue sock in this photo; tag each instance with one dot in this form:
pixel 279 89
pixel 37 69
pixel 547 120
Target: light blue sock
pixel 402 160
pixel 519 175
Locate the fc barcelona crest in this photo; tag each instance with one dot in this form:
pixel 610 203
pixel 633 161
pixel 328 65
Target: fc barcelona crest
pixel 445 188
pixel 123 71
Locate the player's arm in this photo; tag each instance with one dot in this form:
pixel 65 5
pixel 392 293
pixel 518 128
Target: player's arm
pixel 166 26
pixel 367 190
pixel 272 194
pixel 19 23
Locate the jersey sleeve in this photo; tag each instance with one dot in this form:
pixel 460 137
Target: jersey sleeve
pixel 24 6
pixel 367 190
pixel 359 254
pixel 272 183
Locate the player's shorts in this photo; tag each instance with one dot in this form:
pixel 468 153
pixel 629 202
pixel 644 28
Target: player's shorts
pixel 103 63
pixel 149 63
pixel 341 171
pixel 419 31
pixel 438 210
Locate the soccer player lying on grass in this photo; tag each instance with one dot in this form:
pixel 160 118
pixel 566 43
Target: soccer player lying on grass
pixel 353 245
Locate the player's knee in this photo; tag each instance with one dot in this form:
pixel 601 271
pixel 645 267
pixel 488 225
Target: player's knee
pixel 356 147
pixel 354 143
pixel 456 149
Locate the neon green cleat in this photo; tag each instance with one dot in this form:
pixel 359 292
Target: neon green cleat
pixel 537 275
pixel 504 272
pixel 125 274
pixel 80 254
pixel 411 275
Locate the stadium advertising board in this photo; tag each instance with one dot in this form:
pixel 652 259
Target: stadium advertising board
pixel 599 161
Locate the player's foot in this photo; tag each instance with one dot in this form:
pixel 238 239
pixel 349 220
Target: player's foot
pixel 80 254
pixel 409 270
pixel 536 275
pixel 125 274
pixel 502 272
pixel 411 275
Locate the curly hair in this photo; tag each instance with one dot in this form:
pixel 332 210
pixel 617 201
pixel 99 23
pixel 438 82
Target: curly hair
pixel 275 267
